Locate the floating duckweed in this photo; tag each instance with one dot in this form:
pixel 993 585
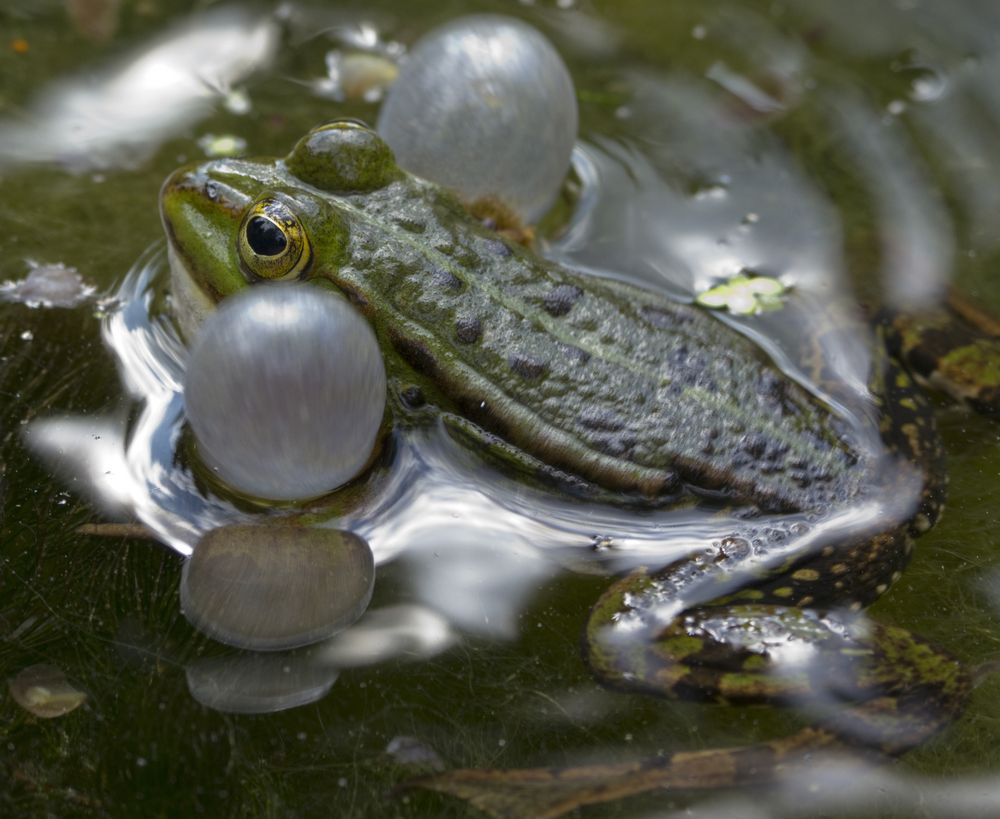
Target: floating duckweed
pixel 745 295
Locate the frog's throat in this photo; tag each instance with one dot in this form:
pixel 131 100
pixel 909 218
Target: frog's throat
pixel 191 304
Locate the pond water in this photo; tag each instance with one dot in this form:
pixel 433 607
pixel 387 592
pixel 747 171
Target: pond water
pixel 848 147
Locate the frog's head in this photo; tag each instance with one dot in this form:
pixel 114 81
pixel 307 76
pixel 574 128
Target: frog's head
pixel 234 222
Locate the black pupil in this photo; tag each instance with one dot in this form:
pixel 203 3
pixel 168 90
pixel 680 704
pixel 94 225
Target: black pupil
pixel 264 237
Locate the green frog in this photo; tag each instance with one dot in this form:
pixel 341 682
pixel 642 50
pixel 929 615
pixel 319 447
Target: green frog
pixel 609 390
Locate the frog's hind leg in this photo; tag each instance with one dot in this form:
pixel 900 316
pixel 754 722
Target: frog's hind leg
pixel 865 685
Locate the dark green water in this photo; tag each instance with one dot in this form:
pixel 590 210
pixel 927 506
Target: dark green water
pixel 885 109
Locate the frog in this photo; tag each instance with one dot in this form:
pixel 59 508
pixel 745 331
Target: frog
pixel 606 389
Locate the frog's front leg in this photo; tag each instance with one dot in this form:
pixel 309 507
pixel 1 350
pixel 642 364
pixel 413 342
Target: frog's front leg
pixel 535 472
pixel 682 632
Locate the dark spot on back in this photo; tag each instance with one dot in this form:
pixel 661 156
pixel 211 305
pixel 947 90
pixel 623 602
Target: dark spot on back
pixel 446 279
pixel 411 225
pixel 612 445
pixel 754 445
pixel 659 317
pixel 497 247
pixel 574 353
pixel 527 366
pixel 560 299
pixel 601 420
pixel 468 329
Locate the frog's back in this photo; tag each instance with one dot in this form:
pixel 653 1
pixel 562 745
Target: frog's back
pixel 604 380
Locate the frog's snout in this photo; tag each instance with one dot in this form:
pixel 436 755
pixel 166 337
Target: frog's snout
pixel 199 185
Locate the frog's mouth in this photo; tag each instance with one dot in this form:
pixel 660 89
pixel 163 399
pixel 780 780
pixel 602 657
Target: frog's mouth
pixel 190 304
pixel 201 213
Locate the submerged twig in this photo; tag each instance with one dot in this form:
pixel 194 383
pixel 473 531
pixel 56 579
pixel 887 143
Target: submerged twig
pixel 116 530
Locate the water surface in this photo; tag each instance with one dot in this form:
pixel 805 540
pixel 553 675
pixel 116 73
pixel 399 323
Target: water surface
pixel 849 151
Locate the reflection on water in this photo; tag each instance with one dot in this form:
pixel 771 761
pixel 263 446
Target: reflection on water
pixel 120 116
pixel 835 784
pixel 683 197
pixel 917 241
pixel 255 683
pixel 270 588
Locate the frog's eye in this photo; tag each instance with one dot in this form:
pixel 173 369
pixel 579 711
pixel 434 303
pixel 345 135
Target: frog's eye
pixel 271 242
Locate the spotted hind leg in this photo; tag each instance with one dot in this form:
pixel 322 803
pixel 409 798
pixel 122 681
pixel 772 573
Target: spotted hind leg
pixel 862 683
pixel 663 633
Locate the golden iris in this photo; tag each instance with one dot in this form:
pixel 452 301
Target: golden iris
pixel 272 243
